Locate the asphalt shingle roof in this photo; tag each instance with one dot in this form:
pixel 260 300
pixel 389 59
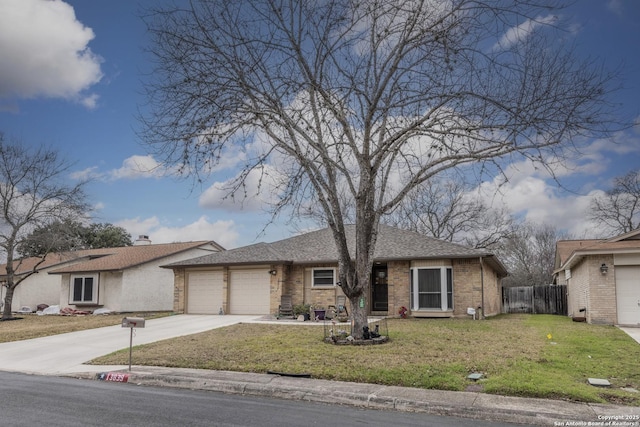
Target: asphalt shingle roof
pixel 567 251
pixel 105 259
pixel 319 247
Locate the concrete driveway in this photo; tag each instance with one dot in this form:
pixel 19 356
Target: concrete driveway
pixel 632 332
pixel 66 353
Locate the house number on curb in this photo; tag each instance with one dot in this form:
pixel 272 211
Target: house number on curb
pixel 132 322
pixel 114 377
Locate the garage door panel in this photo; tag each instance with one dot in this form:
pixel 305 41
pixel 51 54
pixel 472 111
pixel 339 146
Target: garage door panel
pixel 204 292
pixel 628 294
pixel 249 291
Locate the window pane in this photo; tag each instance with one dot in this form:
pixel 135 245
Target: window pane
pixel 449 289
pixel 77 289
pixel 429 292
pixel 88 289
pixel 429 280
pixel 430 301
pixel 323 277
pixel 413 297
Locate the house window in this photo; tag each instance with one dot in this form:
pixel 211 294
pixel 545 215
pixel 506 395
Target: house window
pixel 323 277
pixel 84 290
pixel 432 288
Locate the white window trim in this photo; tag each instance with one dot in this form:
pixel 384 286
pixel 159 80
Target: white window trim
pixel 313 284
pixel 94 299
pixel 443 288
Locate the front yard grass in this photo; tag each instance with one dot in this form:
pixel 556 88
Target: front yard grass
pixel 519 355
pixel 29 326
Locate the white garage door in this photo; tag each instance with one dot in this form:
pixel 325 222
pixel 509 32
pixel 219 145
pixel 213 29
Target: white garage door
pixel 628 294
pixel 249 291
pixel 204 292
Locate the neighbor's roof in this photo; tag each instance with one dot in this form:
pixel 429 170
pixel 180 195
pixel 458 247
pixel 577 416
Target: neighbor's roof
pixel 52 260
pixel 319 247
pixel 104 259
pixel 569 252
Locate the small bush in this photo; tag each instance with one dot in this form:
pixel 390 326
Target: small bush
pixel 299 309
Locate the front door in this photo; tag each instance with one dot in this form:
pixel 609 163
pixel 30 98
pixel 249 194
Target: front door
pixel 379 289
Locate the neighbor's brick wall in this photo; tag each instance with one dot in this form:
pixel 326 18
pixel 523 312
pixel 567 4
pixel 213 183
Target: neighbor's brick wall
pixel 561 278
pixel 578 290
pixel 589 288
pixel 179 290
pixel 602 290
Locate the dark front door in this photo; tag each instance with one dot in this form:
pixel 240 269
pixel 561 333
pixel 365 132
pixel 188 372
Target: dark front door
pixel 379 289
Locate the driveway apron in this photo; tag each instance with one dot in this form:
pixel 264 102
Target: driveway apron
pixel 66 353
pixel 632 332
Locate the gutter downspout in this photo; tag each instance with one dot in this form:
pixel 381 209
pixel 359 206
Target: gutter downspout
pixel 482 285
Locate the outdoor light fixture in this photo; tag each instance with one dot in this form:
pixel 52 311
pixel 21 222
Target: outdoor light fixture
pixel 273 272
pixel 604 268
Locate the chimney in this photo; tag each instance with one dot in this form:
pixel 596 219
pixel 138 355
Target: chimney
pixel 142 240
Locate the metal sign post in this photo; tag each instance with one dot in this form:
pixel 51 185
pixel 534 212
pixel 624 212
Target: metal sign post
pixel 132 322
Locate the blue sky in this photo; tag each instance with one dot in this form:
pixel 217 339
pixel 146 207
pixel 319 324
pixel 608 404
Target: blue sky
pixel 70 77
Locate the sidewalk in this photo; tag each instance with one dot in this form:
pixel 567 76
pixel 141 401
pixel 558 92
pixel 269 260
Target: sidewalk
pixel 541 412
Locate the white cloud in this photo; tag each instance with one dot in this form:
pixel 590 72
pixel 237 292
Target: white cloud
pixel 87 174
pixel 45 52
pixel 520 33
pixel 222 232
pixel 260 189
pixel 134 167
pixel 529 193
pixel 137 166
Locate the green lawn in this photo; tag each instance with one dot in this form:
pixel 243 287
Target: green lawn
pixel 29 326
pixel 514 352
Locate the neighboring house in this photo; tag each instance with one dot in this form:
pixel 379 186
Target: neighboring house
pixel 602 278
pixel 123 279
pixel 430 277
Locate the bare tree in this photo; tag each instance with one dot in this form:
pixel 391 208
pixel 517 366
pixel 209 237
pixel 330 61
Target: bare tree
pixel 448 211
pixel 618 210
pixel 364 98
pixel 529 254
pixel 33 193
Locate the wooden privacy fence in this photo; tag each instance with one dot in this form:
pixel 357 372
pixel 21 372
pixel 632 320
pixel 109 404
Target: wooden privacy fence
pixel 539 299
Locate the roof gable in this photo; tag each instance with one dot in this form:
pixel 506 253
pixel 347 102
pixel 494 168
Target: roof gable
pixel 631 235
pixel 52 260
pixel 564 248
pixel 569 252
pixel 107 259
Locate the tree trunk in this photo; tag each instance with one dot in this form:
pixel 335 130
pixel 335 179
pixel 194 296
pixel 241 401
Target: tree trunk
pixel 366 235
pixel 8 300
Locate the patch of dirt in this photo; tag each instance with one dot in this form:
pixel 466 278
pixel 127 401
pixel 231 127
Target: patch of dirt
pixel 379 340
pixel 620 400
pixel 475 388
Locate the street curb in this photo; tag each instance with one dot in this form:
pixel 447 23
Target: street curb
pixel 435 402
